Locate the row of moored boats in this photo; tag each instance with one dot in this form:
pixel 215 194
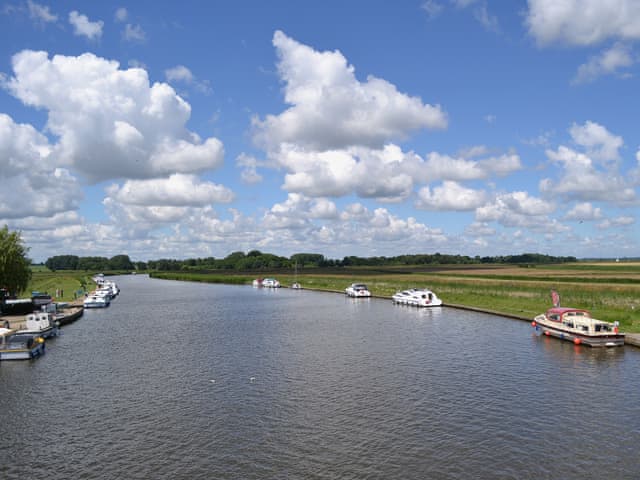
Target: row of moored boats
pixel 44 321
pixel 101 297
pixel 571 324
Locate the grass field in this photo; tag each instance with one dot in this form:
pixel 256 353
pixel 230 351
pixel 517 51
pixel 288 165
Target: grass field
pixel 69 283
pixel 610 291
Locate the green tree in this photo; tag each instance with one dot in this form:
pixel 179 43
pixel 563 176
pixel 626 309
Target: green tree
pixel 14 264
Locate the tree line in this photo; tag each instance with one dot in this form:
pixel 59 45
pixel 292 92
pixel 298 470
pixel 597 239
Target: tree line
pixel 95 264
pixel 256 260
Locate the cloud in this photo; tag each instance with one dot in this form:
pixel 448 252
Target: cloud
pixel 609 62
pixel 584 211
pixel 623 221
pixel 182 74
pixel 134 33
pixel 582 180
pixel 32 185
pixel 85 28
pixel 121 15
pixel 432 7
pixel 331 109
pixel 518 209
pixel 444 167
pixel 450 196
pixel 592 174
pixel 249 165
pixel 178 190
pixel 584 22
pixel 600 144
pixel 40 13
pixel 111 123
pixel 179 73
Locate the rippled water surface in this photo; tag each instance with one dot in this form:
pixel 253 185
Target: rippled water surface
pixel 192 381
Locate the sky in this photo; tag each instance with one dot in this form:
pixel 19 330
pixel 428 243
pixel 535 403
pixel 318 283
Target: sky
pixel 196 129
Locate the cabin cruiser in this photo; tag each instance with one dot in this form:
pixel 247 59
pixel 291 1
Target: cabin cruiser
pixel 577 326
pixel 417 297
pixel 96 301
pixel 266 282
pixel 357 290
pixel 40 323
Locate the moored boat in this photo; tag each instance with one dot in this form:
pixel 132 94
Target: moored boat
pixel 270 283
pixel 357 290
pixel 95 301
pixel 417 297
pixel 40 323
pixel 576 325
pixel 20 346
pixel 266 282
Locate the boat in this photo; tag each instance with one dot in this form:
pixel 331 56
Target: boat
pixel 357 290
pixel 417 297
pixel 20 346
pixel 270 283
pixel 96 301
pixel 266 282
pixel 41 324
pixel 578 326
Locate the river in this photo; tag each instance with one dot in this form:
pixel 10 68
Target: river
pixel 181 380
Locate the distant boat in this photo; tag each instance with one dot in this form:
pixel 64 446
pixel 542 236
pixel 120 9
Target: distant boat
pixel 266 282
pixel 417 297
pixel 357 290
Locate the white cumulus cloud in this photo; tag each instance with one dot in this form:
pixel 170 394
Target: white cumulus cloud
pixel 450 196
pixel 331 109
pixel 583 22
pixel 31 184
pixel 111 122
pixel 82 26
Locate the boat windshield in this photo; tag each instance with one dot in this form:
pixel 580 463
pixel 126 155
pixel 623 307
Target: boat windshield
pixel 602 327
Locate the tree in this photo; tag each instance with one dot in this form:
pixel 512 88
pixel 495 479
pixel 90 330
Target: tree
pixel 14 264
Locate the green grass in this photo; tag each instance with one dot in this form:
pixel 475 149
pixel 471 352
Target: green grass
pixel 71 283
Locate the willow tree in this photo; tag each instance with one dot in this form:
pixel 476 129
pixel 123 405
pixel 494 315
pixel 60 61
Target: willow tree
pixel 14 264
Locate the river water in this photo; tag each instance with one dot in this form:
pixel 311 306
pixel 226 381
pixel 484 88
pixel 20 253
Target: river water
pixel 194 381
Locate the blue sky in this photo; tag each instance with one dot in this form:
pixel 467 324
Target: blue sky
pixel 196 129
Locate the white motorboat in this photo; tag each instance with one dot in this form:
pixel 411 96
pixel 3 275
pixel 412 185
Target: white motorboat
pixel 96 301
pixel 417 297
pixel 40 323
pixel 266 282
pixel 357 290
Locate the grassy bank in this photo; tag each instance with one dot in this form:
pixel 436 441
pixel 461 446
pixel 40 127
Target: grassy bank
pixel 610 291
pixel 69 283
